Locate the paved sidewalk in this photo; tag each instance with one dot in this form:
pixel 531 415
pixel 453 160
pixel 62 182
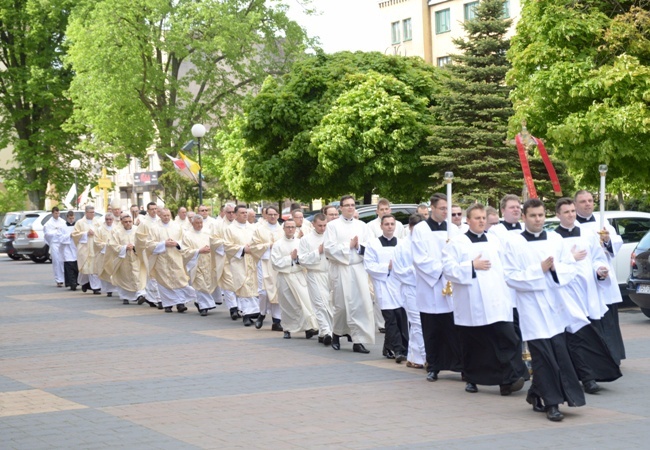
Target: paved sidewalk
pixel 84 371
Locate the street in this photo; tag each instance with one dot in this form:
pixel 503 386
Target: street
pixel 84 371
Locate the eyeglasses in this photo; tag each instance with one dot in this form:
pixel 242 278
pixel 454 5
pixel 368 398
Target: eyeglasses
pixel 456 214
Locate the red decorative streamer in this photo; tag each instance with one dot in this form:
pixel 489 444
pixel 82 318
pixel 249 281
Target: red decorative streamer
pixel 525 167
pixel 549 168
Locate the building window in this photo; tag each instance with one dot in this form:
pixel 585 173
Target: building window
pixel 470 10
pixel 406 29
pixel 394 33
pixel 443 21
pixel 443 61
pixel 506 9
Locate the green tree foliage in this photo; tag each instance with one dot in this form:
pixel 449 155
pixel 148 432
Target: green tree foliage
pixel 33 105
pixel 147 70
pixel 581 77
pixel 340 123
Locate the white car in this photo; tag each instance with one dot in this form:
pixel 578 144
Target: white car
pixel 631 226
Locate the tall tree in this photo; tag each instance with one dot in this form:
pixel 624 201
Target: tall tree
pixel 581 75
pixel 33 104
pixel 472 119
pixel 147 70
pixel 340 123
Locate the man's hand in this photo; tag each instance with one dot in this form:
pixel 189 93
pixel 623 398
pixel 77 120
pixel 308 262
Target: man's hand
pixel 481 264
pixel 354 242
pixel 129 247
pixel 547 264
pixel 294 254
pixel 247 249
pixel 320 248
pixel 204 249
pixel 578 255
pixel 390 265
pixel 604 236
pixel 91 233
pixel 602 272
pixel 170 243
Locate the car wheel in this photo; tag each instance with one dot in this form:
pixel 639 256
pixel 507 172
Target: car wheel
pixel 39 259
pixel 646 311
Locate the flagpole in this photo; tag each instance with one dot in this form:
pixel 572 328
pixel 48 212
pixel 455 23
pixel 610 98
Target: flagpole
pixel 198 131
pixel 75 164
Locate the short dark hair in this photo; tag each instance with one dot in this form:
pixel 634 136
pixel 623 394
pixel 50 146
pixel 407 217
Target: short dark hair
pixel 319 216
pixel 507 198
pixel 414 219
pixel 533 203
pixel 271 207
pixel 491 211
pixel 563 201
pixel 347 197
pixel 288 220
pixel 383 201
pixel 581 192
pixel 387 216
pixel 238 207
pixel 151 204
pixel 325 208
pixel 435 198
pixel 55 209
pixel 474 207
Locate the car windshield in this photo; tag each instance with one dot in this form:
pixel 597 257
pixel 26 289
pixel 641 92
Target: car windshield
pixel 644 244
pixel 28 221
pixel 10 219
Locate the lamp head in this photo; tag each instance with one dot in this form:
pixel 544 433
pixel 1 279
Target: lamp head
pixel 448 177
pixel 75 164
pixel 602 169
pixel 198 131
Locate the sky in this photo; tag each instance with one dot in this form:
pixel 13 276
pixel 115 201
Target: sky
pixel 341 24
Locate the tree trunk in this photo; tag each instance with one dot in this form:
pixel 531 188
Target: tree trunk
pixel 621 204
pixel 367 197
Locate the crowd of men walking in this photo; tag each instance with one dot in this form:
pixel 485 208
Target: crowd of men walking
pixel 449 296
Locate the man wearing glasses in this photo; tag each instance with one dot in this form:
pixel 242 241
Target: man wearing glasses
pixel 344 246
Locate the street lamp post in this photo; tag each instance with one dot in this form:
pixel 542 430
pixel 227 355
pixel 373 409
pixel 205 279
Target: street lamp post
pixel 75 164
pixel 198 131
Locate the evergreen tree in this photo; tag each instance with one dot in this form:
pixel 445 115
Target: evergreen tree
pixel 472 120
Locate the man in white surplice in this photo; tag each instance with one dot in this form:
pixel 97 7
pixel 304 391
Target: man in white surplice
pixel 293 294
pixel 199 255
pixel 378 261
pixel 83 237
pixel 129 271
pixel 344 244
pixel 312 257
pixel 144 234
pixel 54 230
pixel 103 254
pixel 482 308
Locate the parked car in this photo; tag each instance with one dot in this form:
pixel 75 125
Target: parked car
pixel 631 226
pixel 638 284
pixel 7 236
pixel 401 211
pixel 30 237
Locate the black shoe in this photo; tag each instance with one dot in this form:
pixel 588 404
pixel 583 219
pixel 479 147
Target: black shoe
pixel 160 306
pixel 382 330
pixel 432 376
pixel 181 308
pixel 359 348
pixel 97 291
pixel 287 335
pixel 151 304
pixel 233 313
pixel 321 339
pixel 553 413
pixel 507 389
pixel 109 294
pixel 336 343
pixel 310 334
pixel 247 320
pixel 203 312
pixel 168 309
pixel 535 401
pixel 73 287
pixel 125 302
pixel 260 321
pixel 327 340
pixel 198 308
pixel 400 358
pixel 349 337
pixel 591 387
pixel 471 388
pixel 388 353
pixel 85 287
pixel 277 326
pixel 141 300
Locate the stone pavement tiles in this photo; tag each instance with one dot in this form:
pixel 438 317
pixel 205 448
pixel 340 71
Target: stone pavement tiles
pixel 84 371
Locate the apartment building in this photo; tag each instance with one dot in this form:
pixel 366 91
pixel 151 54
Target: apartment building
pixel 426 28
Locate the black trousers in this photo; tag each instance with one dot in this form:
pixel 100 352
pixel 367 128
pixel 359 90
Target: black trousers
pixel 591 356
pixel 441 342
pixel 396 337
pixel 70 273
pixel 554 378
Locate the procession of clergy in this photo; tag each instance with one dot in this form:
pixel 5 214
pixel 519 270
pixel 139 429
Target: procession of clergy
pixel 460 297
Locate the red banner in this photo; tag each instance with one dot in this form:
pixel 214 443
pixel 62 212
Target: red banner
pixel 549 168
pixel 525 167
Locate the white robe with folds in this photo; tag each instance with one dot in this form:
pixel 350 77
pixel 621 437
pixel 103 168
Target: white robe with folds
pixel 608 289
pixel 482 299
pixel 317 275
pixel 264 236
pixel 104 257
pixel 67 249
pixel 584 288
pixel 375 228
pixel 376 261
pixel 543 311
pixel 353 313
pixel 54 230
pixel 85 245
pixel 200 266
pixel 145 227
pixel 427 246
pixel 293 295
pixel 242 266
pixel 129 272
